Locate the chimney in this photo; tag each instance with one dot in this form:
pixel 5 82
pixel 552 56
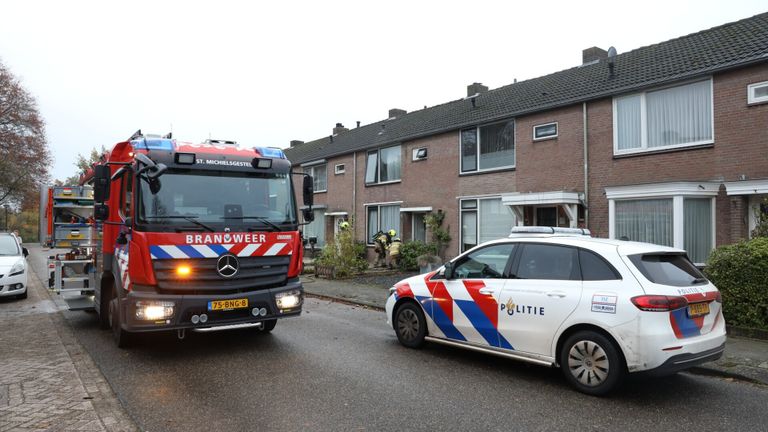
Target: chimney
pixel 397 112
pixel 476 88
pixel 339 129
pixel 590 55
pixel 294 143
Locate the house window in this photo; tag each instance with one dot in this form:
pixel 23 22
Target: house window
pixel 383 165
pixel 483 220
pixel 757 93
pixel 678 216
pixel 339 169
pixel 319 179
pixel 488 147
pixel 382 218
pixel 545 131
pixel 668 118
pixel 419 228
pixel 316 228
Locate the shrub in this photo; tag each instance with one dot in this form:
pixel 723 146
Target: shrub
pixel 440 236
pixel 740 272
pixel 343 254
pixel 410 251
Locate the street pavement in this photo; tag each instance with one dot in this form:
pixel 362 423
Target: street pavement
pixel 47 381
pixel 340 367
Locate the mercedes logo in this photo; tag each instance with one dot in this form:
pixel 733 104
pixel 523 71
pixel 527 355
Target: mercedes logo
pixel 227 265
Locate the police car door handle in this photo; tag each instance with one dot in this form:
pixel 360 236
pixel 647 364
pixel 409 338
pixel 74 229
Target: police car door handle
pixel 486 291
pixel 556 294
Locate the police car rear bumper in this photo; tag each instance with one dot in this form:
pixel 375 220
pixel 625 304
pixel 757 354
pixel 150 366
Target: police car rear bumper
pixel 686 361
pixel 185 307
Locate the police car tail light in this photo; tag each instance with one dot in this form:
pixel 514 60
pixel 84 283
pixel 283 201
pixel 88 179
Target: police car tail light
pixel 659 303
pixel 719 297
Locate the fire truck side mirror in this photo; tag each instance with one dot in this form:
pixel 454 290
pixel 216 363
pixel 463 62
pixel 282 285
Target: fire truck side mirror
pixel 101 212
pixel 101 182
pixel 308 191
pixel 308 215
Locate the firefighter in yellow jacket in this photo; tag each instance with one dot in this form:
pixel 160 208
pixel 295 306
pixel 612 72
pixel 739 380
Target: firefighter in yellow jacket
pixel 394 252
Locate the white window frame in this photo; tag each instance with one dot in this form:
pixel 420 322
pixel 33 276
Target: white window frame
pixel 751 98
pixel 477 199
pixel 644 123
pixel 557 131
pixel 339 169
pixel 368 241
pixel 378 166
pixel 477 152
pixel 678 192
pixel 311 168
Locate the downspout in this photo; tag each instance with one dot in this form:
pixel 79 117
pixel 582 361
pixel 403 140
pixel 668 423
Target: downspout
pixel 354 188
pixel 586 166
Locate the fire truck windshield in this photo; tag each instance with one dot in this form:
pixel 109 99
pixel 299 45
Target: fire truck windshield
pixel 215 200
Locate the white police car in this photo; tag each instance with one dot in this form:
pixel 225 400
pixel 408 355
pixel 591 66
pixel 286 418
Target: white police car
pixel 596 308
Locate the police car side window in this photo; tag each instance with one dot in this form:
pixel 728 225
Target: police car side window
pixel 550 262
pixel 595 268
pixel 485 263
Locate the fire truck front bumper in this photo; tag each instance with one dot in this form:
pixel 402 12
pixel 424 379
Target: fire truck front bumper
pixel 144 311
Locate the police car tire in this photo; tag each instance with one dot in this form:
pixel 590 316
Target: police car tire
pixel 410 325
pixel 616 367
pixel 268 325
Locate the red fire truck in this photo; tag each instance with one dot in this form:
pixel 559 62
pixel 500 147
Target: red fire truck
pixel 195 236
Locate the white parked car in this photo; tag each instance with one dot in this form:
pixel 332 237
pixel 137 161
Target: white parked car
pixel 596 308
pixel 13 267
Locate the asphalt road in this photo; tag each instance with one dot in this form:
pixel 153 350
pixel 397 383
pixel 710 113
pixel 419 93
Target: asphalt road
pixel 340 367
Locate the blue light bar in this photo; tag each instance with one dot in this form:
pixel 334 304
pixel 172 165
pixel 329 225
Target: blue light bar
pixel 270 152
pixel 153 144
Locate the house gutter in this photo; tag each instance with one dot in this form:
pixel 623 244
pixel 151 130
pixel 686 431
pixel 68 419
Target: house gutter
pixel 586 166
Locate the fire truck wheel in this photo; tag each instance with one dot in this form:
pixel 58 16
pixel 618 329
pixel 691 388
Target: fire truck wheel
pixel 268 325
pixel 121 337
pixel 104 320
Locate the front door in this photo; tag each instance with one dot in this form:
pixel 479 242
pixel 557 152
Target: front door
pixel 546 290
pixel 546 216
pixel 466 307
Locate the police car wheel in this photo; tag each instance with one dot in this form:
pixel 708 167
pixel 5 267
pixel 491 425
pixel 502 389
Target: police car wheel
pixel 591 363
pixel 410 325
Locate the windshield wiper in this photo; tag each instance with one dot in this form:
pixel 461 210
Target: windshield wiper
pixel 187 218
pixel 698 281
pixel 261 218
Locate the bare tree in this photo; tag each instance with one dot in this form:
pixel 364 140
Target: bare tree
pixel 24 155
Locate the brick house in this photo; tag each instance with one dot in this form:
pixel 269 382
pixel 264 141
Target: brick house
pixel 666 144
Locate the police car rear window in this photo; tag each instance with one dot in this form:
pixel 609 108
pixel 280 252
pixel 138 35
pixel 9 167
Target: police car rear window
pixel 668 269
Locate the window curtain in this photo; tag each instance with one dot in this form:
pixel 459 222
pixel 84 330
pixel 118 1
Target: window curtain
pixel 679 115
pixel 698 228
pixel 316 228
pixel 390 218
pixel 371 168
pixel 390 164
pixel 468 230
pixel 373 223
pixel 419 228
pixel 469 150
pixel 496 220
pixel 319 177
pixel 647 221
pixel 628 124
pixel 497 145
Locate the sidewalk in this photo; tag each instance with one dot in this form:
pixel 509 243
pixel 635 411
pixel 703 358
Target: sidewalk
pixel 47 381
pixel 744 358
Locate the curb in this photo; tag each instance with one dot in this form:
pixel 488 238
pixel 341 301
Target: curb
pixel 348 301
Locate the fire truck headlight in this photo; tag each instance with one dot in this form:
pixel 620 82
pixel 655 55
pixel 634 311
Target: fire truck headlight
pixel 153 310
pixel 288 299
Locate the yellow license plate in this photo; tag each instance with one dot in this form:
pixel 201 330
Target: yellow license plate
pixel 227 304
pixel 698 309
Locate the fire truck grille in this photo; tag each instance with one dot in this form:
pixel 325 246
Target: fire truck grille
pixel 254 273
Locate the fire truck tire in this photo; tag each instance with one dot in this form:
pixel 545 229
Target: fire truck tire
pixel 122 338
pixel 268 325
pixel 104 322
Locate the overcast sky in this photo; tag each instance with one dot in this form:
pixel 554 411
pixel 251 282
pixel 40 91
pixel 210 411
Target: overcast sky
pixel 264 73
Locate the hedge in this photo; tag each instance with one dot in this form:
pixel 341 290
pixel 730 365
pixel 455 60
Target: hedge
pixel 411 250
pixel 740 272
